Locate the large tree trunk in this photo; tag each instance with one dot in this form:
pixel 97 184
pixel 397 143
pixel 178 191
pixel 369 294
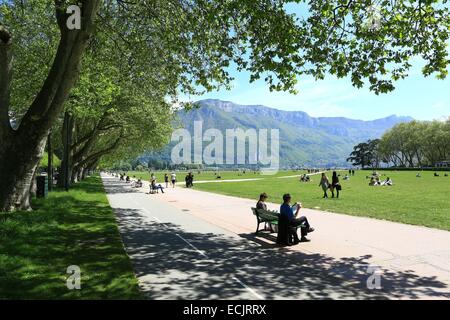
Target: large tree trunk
pixel 18 164
pixel 65 177
pixel 22 149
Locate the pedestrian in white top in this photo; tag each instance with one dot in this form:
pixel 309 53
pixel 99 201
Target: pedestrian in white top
pixel 174 179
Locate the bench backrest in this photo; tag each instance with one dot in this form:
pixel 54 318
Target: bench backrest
pixel 265 215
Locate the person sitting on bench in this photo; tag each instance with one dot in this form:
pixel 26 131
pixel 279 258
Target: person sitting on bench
pixel 287 212
pixel 138 184
pixel 261 204
pixel 128 179
pixel 154 186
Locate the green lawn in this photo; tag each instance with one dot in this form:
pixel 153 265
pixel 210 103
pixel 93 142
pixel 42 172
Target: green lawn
pixel 420 201
pixel 209 175
pixel 75 228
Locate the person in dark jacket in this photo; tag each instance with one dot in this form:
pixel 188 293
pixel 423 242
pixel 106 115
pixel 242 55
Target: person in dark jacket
pixel 166 180
pixel 335 185
pixel 288 223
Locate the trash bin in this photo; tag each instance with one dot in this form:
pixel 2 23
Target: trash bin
pixel 42 186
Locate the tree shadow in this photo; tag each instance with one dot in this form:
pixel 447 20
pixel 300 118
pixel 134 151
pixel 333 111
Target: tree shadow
pixel 119 187
pixel 275 272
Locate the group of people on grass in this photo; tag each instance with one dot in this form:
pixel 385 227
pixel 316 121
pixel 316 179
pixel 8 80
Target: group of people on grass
pixel 375 180
pixel 288 221
pixel 437 174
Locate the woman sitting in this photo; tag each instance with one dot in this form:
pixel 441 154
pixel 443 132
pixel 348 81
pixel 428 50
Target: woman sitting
pixel 261 204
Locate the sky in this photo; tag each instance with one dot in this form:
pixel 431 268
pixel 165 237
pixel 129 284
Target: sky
pixel 416 96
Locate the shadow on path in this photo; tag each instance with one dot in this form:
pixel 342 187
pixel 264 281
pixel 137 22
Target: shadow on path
pixel 158 253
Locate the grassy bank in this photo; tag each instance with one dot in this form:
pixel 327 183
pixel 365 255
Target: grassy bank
pixel 421 201
pixel 68 228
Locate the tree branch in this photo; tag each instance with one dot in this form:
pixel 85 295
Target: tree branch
pixel 64 72
pixel 101 153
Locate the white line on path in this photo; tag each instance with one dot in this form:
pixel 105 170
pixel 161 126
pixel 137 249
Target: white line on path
pixel 190 244
pixel 248 288
pixel 204 255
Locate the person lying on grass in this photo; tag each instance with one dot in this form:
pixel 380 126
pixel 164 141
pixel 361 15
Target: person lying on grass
pixel 387 182
pixel 291 212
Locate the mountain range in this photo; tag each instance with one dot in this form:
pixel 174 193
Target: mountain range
pixel 304 140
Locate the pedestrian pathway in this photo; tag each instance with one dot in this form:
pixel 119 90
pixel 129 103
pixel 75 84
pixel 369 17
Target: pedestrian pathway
pixel 188 244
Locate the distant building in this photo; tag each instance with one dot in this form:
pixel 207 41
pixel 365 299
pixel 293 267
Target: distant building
pixel 442 164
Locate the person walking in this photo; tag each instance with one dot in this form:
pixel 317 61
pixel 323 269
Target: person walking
pixel 166 180
pixel 335 185
pixel 325 184
pixel 174 179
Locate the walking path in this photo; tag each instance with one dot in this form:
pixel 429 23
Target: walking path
pixel 188 244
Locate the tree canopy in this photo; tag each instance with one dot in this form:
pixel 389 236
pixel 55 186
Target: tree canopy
pixel 133 53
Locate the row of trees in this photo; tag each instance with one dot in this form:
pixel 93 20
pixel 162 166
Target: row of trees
pixel 105 90
pixel 412 144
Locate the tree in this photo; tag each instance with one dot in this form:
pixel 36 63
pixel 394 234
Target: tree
pixel 365 154
pixel 22 149
pixel 191 44
pixel 416 144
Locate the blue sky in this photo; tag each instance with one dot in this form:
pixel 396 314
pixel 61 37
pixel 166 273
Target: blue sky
pixel 419 97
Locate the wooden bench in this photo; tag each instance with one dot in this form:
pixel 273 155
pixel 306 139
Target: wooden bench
pixel 268 217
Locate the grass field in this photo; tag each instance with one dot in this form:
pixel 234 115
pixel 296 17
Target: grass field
pixel 209 175
pixel 420 201
pixel 74 228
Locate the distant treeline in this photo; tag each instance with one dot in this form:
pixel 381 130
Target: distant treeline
pixel 415 144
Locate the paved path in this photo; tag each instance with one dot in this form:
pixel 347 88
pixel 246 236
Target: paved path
pixel 188 244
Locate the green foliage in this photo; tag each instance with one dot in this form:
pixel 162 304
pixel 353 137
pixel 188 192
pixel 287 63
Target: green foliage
pixel 418 143
pixel 78 228
pixel 44 161
pixel 143 54
pixel 365 154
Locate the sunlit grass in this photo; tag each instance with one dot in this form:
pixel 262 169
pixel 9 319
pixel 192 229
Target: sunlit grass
pixel 74 228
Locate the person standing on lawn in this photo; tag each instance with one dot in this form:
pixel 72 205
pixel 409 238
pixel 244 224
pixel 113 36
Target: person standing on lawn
pixel 325 184
pixel 335 185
